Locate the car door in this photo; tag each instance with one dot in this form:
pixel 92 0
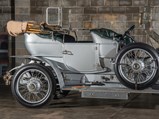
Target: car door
pixel 81 57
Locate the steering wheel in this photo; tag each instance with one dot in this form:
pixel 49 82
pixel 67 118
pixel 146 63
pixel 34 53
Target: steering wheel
pixel 129 30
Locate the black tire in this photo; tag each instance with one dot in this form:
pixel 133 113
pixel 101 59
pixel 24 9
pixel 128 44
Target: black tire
pixel 136 66
pixel 33 85
pixel 157 49
pixel 62 94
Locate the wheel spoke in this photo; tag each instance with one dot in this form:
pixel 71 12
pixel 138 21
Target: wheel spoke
pixel 136 54
pixel 124 64
pixel 141 77
pixel 22 88
pixel 37 97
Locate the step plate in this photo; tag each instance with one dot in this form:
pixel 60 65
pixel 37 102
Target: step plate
pixel 104 95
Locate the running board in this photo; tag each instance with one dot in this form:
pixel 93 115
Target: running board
pixel 113 93
pixel 104 95
pixel 108 92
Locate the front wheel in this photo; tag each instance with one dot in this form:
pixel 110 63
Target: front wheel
pixel 136 66
pixel 33 85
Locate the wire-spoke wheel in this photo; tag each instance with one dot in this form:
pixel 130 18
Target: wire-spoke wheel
pixel 137 66
pixel 33 85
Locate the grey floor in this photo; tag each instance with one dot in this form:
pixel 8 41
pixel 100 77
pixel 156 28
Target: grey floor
pixel 145 106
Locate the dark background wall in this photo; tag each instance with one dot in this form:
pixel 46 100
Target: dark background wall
pixel 5 13
pixel 117 15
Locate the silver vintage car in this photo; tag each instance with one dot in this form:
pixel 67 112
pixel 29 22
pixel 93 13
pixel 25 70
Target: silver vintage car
pixel 100 68
pixel 110 66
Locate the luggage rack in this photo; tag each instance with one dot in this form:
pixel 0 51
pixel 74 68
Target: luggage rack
pixel 110 92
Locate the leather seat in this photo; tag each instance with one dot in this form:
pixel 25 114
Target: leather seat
pixel 104 33
pixel 67 38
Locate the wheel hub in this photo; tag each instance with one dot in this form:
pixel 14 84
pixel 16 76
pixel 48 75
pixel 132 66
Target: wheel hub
pixel 137 66
pixel 34 86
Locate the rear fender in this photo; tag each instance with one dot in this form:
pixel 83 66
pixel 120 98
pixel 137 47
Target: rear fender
pixel 51 63
pixel 56 70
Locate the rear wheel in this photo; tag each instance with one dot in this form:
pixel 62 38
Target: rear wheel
pixel 136 66
pixel 33 85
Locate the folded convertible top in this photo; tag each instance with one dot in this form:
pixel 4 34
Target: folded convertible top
pixel 15 28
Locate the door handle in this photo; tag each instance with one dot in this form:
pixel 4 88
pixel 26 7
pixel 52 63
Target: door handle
pixel 67 52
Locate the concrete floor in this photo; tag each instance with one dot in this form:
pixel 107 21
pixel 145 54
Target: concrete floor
pixel 73 107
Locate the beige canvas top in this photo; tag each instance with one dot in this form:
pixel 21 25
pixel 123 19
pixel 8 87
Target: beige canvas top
pixel 15 28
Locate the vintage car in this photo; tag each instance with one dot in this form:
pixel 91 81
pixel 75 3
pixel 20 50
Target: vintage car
pixel 110 66
pixel 58 64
